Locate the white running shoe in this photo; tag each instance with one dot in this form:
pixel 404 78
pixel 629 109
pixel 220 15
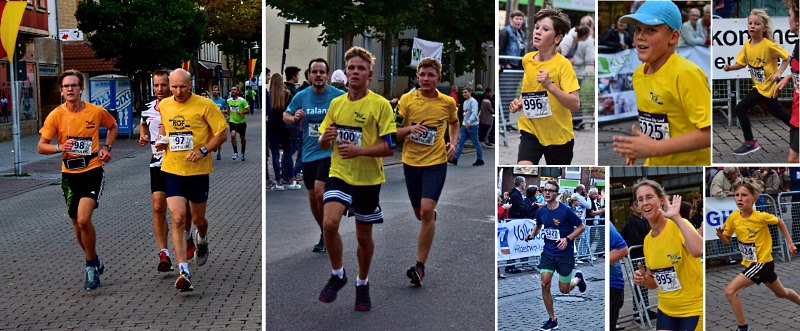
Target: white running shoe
pixel 235 156
pixel 294 186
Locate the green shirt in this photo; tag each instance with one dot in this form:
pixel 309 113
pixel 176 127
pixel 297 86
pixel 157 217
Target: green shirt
pixel 237 107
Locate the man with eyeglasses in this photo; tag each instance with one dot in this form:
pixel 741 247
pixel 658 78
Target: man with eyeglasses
pixel 559 227
pixel 76 126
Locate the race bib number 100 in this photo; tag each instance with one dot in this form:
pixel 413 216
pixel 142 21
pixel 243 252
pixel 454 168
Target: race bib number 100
pixel 181 141
pixel 347 133
pixel 551 234
pixel 654 125
pixel 536 105
pixel 82 146
pixel 667 279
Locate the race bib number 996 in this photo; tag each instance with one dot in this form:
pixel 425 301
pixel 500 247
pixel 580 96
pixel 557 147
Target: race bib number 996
pixel 656 126
pixel 667 279
pixel 347 133
pixel 536 105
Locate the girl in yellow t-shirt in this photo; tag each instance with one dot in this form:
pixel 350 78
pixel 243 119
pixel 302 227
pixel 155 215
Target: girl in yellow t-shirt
pixel 672 251
pixel 549 95
pixel 755 244
pixel 760 55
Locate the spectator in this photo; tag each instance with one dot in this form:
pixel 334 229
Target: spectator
pixel 513 40
pixel 771 181
pixel 486 119
pixel 519 208
pixel 692 32
pixel 616 39
pixel 577 35
pixel 722 184
pixel 705 22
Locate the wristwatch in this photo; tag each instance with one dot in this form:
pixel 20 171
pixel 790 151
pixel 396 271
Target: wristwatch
pixel 204 150
pixel 108 146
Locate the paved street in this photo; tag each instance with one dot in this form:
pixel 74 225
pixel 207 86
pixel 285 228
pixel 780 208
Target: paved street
pixel 520 306
pixel 763 310
pixel 583 152
pixel 771 133
pixel 43 269
pixel 605 139
pixel 457 292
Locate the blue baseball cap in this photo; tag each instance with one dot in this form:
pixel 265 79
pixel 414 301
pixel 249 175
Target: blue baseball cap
pixel 656 12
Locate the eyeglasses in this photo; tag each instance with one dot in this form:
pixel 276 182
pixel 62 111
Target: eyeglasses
pixel 545 190
pixel 68 86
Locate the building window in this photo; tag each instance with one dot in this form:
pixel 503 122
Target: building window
pixel 572 172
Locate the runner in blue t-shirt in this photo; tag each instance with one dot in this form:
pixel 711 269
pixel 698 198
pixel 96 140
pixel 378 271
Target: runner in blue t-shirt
pixel 559 226
pixel 618 249
pixel 222 103
pixel 308 107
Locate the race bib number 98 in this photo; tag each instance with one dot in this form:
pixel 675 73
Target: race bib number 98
pixel 656 126
pixel 667 279
pixel 536 105
pixel 82 146
pixel 748 251
pixel 181 141
pixel 347 133
pixel 551 234
pixel 427 138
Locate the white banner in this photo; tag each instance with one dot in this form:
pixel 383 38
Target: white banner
pixel 625 62
pixel 717 211
pixel 728 38
pixel 423 48
pixel 510 240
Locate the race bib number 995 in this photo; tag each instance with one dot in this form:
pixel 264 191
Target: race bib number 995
pixel 667 279
pixel 656 126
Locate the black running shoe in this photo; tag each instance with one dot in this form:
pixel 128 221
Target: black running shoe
pixel 329 292
pixel 320 246
pixel 363 303
pixel 582 283
pixel 92 278
pixel 416 274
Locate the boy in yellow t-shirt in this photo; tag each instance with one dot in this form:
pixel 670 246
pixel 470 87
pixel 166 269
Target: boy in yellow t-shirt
pixel 549 95
pixel 760 54
pixel 426 114
pixel 672 94
pixel 755 243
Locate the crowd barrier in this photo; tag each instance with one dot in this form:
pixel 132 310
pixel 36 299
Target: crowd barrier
pixel 588 246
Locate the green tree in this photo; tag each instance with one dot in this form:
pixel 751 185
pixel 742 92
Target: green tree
pixel 235 26
pixel 142 35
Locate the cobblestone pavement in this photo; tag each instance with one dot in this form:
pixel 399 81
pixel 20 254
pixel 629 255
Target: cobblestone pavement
pixel 772 136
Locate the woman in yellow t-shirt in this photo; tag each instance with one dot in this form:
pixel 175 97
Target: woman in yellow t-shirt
pixel 549 95
pixel 760 55
pixel 755 244
pixel 672 251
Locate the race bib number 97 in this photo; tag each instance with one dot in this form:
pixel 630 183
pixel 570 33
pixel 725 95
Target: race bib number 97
pixel 551 234
pixel 656 126
pixel 81 146
pixel 748 251
pixel 536 105
pixel 667 279
pixel 181 141
pixel 347 133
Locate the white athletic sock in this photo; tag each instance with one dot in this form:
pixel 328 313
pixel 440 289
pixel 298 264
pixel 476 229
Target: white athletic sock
pixel 361 282
pixel 184 267
pixel 338 272
pixel 165 251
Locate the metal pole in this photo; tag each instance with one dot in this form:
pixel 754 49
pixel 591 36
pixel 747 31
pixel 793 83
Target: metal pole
pixel 15 119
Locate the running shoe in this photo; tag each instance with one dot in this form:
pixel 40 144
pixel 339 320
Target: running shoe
pixel 479 162
pixel 271 184
pixel 549 325
pixel 219 157
pixel 100 266
pixel 201 254
pixel 190 247
pixel 243 157
pixel 294 186
pixel 739 328
pixel 278 187
pixel 92 278
pixel 747 147
pixel 235 156
pixel 363 303
pixel 416 274
pixel 164 263
pixel 329 292
pixel 184 282
pixel 582 283
pixel 320 246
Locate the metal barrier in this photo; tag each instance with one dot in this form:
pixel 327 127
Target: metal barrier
pixel 594 239
pixel 508 89
pixel 790 213
pixel 640 295
pixel 723 88
pixel 716 249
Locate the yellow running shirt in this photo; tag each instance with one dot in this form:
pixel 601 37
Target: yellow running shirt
pixel 543 116
pixel 672 102
pixel 189 126
pixel 678 274
pixel 434 113
pixel 755 241
pixel 363 122
pixel 762 61
pixel 83 126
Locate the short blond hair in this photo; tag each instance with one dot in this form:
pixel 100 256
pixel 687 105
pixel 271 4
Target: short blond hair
pixel 750 184
pixel 356 51
pixel 429 62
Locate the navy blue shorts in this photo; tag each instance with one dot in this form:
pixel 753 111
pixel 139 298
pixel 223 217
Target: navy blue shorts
pixel 666 322
pixel 157 180
pixel 316 170
pixel 424 182
pixel 193 188
pixel 563 265
pixel 364 200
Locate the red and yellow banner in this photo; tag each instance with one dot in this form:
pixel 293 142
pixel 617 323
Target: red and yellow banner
pixel 9 25
pixel 251 67
pixel 186 65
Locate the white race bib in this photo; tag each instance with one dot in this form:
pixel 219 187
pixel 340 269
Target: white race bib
pixel 758 74
pixel 796 81
pixel 181 141
pixel 347 133
pixel 313 129
pixel 536 105
pixel 748 251
pixel 158 155
pixel 551 234
pixel 667 279
pixel 427 138
pixel 82 146
pixel 234 109
pixel 654 125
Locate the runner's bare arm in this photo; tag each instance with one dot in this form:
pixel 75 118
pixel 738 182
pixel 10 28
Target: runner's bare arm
pixel 641 145
pixel 217 141
pixel 327 138
pixel 105 153
pixel 577 232
pixel 735 66
pixel 777 75
pixel 785 232
pixel 534 232
pixel 144 138
pixel 44 147
pixel 722 237
pixel 381 149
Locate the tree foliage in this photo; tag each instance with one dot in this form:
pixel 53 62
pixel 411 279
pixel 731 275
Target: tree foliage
pixel 142 35
pixel 235 26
